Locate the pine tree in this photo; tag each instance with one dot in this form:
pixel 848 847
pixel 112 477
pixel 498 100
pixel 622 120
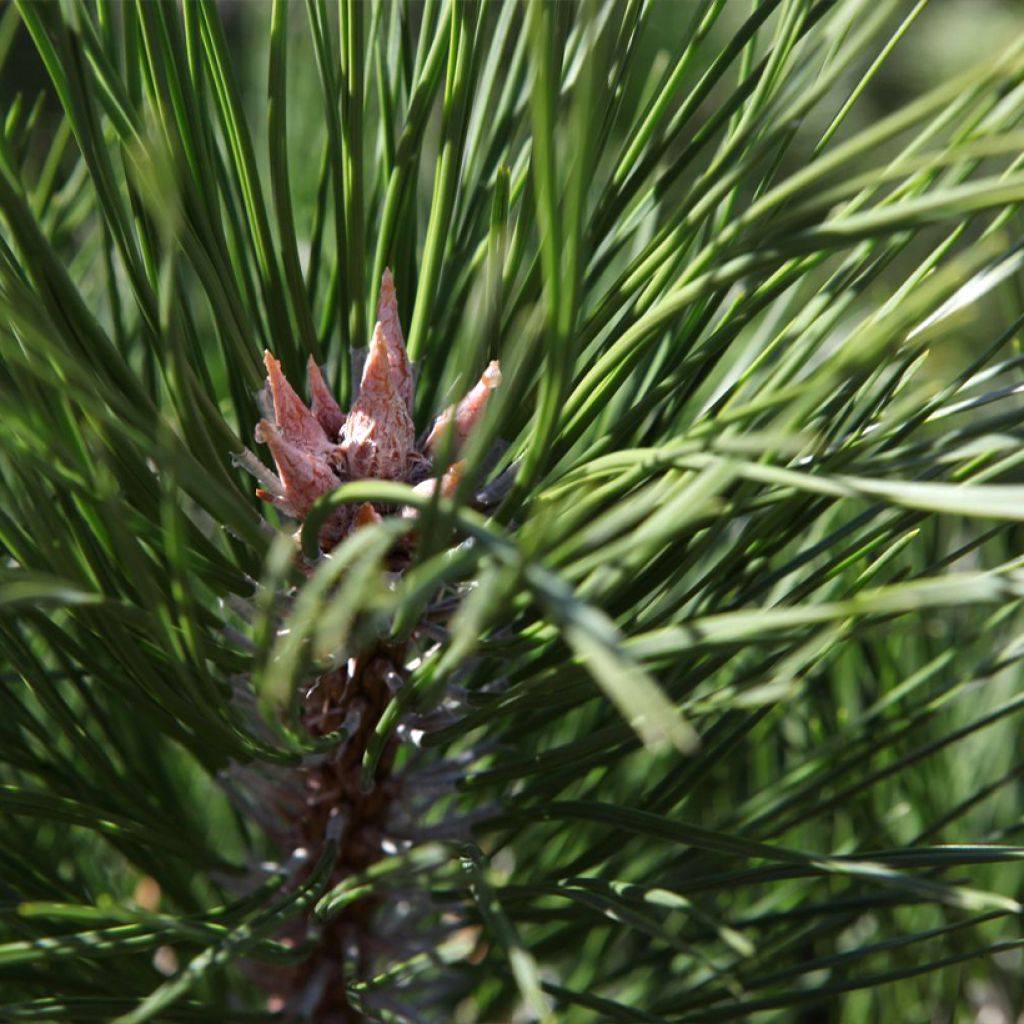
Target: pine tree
pixel 670 675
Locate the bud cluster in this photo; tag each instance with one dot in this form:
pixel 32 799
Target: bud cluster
pixel 318 447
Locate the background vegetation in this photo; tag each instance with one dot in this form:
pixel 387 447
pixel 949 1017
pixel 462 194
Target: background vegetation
pixel 715 716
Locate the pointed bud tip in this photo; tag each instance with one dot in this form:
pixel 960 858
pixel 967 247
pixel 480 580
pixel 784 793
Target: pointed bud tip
pixel 326 410
pixel 378 352
pixel 264 430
